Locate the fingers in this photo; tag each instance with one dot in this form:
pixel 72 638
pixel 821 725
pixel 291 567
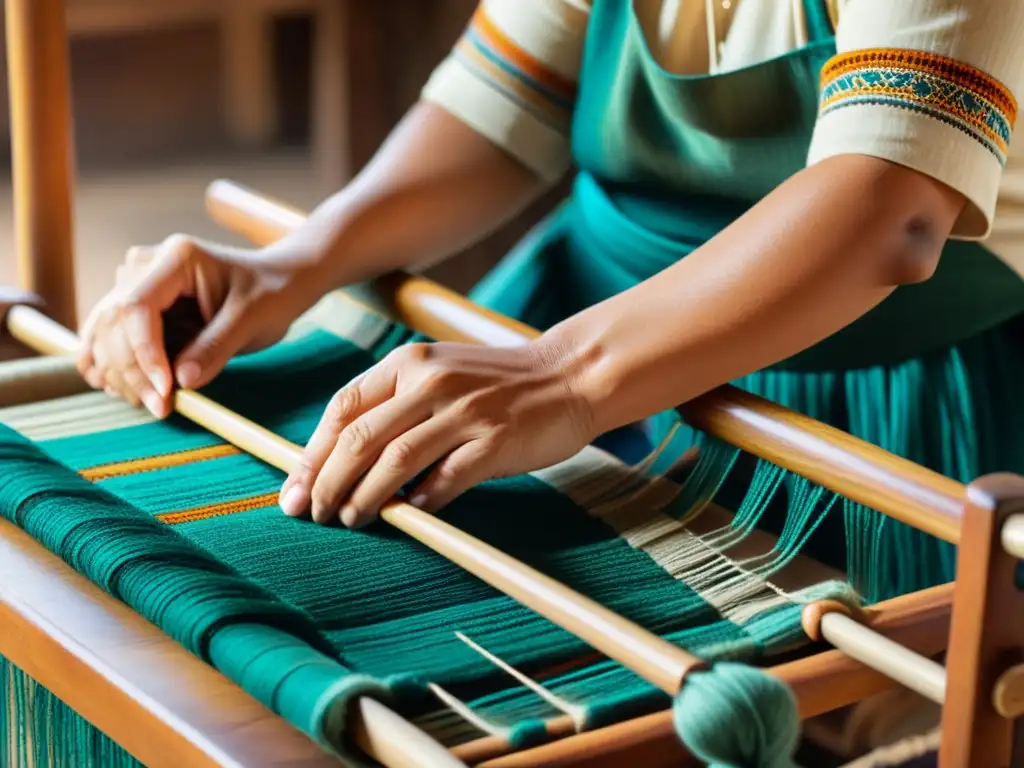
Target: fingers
pixel 139 255
pixel 144 331
pixel 115 385
pixel 167 275
pixel 216 344
pixel 122 348
pixel 115 369
pixel 86 360
pixel 371 389
pixel 467 466
pixel 387 448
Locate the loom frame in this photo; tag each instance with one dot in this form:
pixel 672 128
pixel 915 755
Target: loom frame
pixel 168 708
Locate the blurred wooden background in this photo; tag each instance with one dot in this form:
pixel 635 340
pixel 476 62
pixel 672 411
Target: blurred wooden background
pixel 288 96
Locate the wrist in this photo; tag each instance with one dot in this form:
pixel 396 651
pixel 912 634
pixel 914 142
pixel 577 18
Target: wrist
pixel 589 369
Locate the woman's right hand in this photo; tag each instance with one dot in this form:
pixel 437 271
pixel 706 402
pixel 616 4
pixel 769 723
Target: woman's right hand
pixel 246 303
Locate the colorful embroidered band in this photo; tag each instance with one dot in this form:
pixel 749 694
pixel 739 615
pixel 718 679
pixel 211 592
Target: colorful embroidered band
pixel 947 90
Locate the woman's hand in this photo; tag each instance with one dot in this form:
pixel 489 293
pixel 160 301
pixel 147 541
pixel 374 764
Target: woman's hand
pixel 470 413
pixel 246 303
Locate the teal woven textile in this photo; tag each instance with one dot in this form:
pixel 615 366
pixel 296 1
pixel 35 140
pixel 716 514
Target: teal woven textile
pixel 187 531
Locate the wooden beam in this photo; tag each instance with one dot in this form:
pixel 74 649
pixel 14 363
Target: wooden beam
pixel 42 153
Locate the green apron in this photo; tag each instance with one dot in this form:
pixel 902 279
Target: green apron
pixel 664 163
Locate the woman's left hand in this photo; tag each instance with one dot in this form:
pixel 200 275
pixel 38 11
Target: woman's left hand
pixel 472 413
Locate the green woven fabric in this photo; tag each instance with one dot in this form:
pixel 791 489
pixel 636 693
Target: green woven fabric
pixel 304 616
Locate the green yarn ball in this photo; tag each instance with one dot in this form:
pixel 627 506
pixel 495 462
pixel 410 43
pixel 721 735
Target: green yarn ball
pixel 736 716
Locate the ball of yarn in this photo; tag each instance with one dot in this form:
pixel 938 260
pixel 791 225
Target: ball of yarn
pixel 736 716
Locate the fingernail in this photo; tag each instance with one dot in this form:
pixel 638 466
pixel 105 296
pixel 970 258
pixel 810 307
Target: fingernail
pixel 188 373
pixel 159 382
pixel 293 502
pixel 419 500
pixel 154 403
pixel 351 518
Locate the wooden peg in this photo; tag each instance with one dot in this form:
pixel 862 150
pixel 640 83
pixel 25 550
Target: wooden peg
pixel 810 618
pixel 1013 536
pixel 1008 693
pixel 11 348
pixel 837 624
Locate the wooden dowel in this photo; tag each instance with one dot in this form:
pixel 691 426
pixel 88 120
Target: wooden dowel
pixel 893 660
pixel 830 457
pixel 653 658
pixel 42 152
pixel 1012 536
pixel 832 622
pixel 388 738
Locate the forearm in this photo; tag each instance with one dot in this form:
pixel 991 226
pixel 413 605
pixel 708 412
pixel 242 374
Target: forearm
pixel 820 251
pixel 434 187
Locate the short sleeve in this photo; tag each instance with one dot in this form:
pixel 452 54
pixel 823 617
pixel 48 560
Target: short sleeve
pixel 931 85
pixel 512 77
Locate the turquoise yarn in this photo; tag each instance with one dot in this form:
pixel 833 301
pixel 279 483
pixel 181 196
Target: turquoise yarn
pixel 736 716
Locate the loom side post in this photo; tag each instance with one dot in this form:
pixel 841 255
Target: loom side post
pixel 39 84
pixel 986 633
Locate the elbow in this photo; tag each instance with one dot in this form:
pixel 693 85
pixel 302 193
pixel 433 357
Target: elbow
pixel 917 251
pixel 920 213
pixel 897 217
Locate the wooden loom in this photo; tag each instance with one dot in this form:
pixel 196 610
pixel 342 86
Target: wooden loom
pixel 166 707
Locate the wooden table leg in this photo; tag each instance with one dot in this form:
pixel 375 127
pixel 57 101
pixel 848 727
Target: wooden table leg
pixel 250 110
pixel 42 151
pixel 332 73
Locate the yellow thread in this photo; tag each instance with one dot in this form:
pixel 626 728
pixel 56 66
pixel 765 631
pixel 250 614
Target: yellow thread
pixel 219 509
pixel 151 463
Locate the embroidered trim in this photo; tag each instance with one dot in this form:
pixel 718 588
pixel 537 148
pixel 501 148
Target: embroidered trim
pixel 950 91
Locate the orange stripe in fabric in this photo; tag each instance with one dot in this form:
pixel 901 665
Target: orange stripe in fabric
pixel 507 49
pixel 219 510
pixel 151 463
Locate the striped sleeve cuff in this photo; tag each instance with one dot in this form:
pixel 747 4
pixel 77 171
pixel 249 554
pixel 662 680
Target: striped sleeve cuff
pixel 512 78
